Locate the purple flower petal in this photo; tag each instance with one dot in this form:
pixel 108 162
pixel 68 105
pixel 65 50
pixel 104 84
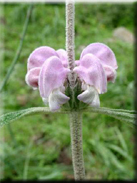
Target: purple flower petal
pixel 32 77
pixel 39 55
pixel 63 56
pixel 110 72
pixel 103 52
pixel 92 72
pixel 77 62
pixel 52 76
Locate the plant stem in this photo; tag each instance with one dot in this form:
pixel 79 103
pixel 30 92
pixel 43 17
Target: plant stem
pixel 70 11
pixel 76 144
pixel 75 117
pixel 18 50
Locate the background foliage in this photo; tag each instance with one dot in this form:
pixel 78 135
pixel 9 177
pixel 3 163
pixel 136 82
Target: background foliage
pixel 38 147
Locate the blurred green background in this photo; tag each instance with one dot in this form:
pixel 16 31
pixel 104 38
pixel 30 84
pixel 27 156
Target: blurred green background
pixel 38 147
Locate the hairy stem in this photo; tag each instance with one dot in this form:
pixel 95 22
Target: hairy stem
pixel 75 117
pixel 70 44
pixel 76 145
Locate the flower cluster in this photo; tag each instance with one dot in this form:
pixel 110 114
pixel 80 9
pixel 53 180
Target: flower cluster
pixel 47 70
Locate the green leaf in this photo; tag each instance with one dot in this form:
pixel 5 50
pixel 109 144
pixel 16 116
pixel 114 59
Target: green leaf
pixel 19 49
pixel 103 151
pixel 126 116
pixel 119 110
pixel 9 117
pixel 121 139
pixel 116 161
pixel 55 175
pixel 126 119
pixel 119 150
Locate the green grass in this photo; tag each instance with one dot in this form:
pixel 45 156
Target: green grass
pixel 38 147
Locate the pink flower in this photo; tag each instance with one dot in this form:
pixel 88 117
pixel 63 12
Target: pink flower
pixel 47 70
pixel 95 68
